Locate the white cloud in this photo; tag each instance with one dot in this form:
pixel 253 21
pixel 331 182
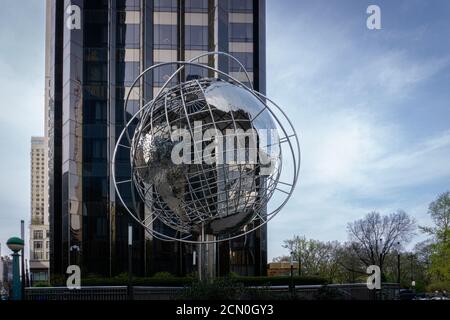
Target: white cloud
pixel 356 157
pixel 392 73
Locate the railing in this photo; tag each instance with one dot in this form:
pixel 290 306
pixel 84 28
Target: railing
pixel 156 293
pixel 85 293
pixel 351 291
pixel 354 291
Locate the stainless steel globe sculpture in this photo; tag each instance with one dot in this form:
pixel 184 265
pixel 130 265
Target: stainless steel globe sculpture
pixel 206 157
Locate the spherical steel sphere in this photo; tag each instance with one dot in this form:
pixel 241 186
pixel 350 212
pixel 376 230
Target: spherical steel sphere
pixel 201 157
pixel 206 156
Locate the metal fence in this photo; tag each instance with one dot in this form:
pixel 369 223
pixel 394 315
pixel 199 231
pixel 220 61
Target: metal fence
pixel 354 291
pixel 85 293
pixel 156 293
pixel 349 291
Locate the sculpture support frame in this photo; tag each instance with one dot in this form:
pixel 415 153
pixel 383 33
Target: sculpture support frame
pixel 294 146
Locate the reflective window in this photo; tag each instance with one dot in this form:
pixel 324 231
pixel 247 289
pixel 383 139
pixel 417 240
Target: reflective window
pixel 163 73
pixel 95 54
pixel 122 92
pixel 94 112
pixel 98 4
pixel 95 168
pixel 95 189
pixel 96 35
pixel 194 72
pixel 246 58
pixel 95 149
pixel 95 16
pixel 128 35
pixel 196 5
pixel 127 72
pixel 128 4
pixel 121 17
pixel 101 227
pixel 123 171
pixel 95 130
pixel 241 32
pixel 241 5
pixel 196 37
pixel 132 108
pixel 165 5
pixel 165 36
pixel 95 72
pixel 95 92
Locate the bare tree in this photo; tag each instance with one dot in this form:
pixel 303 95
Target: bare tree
pixel 351 267
pixel 373 237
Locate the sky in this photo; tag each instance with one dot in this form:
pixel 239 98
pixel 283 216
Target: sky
pixel 22 59
pixel 371 108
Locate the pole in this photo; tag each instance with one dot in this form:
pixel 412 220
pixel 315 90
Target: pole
pixel 381 259
pixel 292 274
pixel 381 270
pixel 17 288
pixel 398 264
pixel 27 276
pixel 299 264
pixel 22 234
pixel 412 273
pixel 201 257
pixel 130 262
pixel 194 258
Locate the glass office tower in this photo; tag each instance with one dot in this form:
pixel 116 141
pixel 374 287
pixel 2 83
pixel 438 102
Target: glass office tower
pixel 90 73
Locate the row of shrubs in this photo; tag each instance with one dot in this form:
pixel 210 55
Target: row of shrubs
pixel 168 280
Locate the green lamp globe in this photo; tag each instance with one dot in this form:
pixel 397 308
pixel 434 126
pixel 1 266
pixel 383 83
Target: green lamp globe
pixel 15 244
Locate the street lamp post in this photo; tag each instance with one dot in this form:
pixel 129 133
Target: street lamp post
pixel 16 244
pixel 398 264
pixel 292 274
pixel 413 283
pixel 130 261
pixel 22 235
pixel 27 274
pixel 381 268
pixel 381 257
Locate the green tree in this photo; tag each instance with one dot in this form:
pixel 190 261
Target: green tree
pixel 316 258
pixel 440 265
pixel 439 269
pixel 439 210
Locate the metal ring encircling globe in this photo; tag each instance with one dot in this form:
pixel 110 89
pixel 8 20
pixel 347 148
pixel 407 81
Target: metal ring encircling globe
pixel 189 200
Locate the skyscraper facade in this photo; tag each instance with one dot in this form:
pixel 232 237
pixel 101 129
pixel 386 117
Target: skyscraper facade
pixel 96 49
pixel 39 226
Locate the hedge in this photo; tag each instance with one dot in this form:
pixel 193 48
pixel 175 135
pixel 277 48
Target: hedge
pixel 186 281
pixel 279 280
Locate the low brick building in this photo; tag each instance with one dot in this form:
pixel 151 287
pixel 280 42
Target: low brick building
pixel 281 269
